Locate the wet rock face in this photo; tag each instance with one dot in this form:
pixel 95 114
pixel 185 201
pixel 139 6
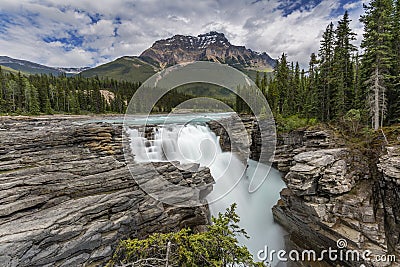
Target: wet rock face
pixel 235 135
pixel 389 166
pixel 67 196
pixel 331 195
pixel 242 136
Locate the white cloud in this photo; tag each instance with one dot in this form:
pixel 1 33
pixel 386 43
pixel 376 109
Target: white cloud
pixel 177 18
pixel 350 6
pixel 41 29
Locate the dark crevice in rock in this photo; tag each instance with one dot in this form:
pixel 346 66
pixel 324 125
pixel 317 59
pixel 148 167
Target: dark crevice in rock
pixel 336 192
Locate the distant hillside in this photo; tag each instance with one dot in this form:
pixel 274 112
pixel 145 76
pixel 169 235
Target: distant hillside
pixel 131 69
pixel 8 69
pixel 212 46
pixel 29 67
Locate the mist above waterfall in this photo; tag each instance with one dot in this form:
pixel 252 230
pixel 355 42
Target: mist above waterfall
pixel 196 143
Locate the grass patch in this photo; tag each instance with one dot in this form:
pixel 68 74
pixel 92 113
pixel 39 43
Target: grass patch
pixel 294 122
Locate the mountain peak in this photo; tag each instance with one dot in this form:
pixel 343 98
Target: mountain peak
pixel 211 46
pixel 202 41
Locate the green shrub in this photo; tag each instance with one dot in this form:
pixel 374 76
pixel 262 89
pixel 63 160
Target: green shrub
pixel 216 247
pixel 293 122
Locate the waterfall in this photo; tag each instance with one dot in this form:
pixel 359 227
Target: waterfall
pixel 186 144
pixel 196 143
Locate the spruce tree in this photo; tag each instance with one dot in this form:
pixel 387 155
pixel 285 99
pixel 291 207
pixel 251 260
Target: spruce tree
pixel 360 96
pixel 3 104
pixel 326 53
pixel 393 115
pixel 312 101
pixel 272 96
pixel 34 108
pixel 296 90
pixel 282 85
pixel 342 67
pixel 377 59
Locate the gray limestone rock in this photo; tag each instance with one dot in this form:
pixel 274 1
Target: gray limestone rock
pixel 67 196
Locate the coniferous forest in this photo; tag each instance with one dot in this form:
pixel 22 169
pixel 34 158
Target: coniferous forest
pixel 44 94
pixel 340 81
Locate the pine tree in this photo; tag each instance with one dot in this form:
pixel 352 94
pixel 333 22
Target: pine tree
pixel 313 102
pixel 326 53
pixel 3 105
pixel 272 96
pixel 258 82
pixel 11 91
pixel 377 59
pixel 394 88
pixel 282 85
pixel 33 100
pixel 360 96
pixel 264 84
pixel 342 72
pixel 296 89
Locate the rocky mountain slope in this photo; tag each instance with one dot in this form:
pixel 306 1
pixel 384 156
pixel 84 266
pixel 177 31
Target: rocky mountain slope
pixel 212 46
pixel 29 67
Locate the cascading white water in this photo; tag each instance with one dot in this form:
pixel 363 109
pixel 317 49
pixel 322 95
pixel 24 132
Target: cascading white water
pixel 198 144
pixel 186 144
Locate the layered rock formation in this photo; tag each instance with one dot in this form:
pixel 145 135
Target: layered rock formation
pixel 67 196
pixel 334 192
pixel 212 46
pixel 234 134
pixel 389 191
pixel 241 135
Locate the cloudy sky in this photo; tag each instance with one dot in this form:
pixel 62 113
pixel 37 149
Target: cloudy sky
pixel 74 33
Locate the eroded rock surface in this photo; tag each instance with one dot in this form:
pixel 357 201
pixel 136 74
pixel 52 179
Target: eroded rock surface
pixel 67 196
pixel 333 193
pixel 389 185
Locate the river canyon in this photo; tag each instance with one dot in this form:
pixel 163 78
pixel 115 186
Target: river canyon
pixel 68 196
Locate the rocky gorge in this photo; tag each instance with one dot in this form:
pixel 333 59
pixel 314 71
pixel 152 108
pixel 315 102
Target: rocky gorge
pixel 339 192
pixel 336 191
pixel 67 197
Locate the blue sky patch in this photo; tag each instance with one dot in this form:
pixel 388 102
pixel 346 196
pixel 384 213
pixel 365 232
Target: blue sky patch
pixel 94 17
pixel 73 40
pixel 289 6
